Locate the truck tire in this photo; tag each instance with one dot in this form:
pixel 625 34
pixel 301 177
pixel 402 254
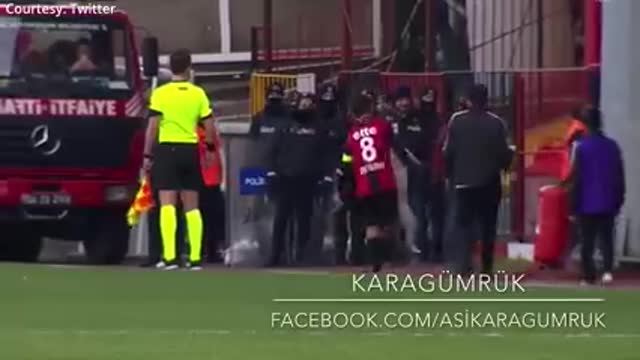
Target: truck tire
pixel 108 241
pixel 20 244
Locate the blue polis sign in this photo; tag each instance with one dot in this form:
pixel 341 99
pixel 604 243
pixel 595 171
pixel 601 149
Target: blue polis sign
pixel 253 181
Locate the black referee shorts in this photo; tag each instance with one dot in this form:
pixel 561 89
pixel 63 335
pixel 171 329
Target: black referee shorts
pixel 176 167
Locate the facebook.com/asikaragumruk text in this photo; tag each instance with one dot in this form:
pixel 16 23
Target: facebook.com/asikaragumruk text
pixel 438 320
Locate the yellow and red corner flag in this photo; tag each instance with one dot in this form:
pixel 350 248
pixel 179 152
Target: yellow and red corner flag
pixel 142 203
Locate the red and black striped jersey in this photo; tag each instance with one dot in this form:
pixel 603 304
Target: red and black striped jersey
pixel 368 149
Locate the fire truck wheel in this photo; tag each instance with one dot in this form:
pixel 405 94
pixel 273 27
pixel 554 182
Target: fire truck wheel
pixel 20 244
pixel 108 243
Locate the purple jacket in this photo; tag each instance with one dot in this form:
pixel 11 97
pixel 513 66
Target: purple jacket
pixel 599 187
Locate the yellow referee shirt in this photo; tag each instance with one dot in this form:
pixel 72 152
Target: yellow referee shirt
pixel 181 105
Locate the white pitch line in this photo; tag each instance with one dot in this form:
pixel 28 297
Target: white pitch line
pixel 225 332
pixel 422 334
pixel 494 335
pixel 68 266
pixel 381 333
pixel 300 272
pixel 576 286
pixel 442 300
pixel 579 335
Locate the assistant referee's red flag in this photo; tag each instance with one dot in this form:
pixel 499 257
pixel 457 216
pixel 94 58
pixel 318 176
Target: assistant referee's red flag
pixel 142 203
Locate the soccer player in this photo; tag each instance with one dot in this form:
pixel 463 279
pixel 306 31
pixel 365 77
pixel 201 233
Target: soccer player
pixel 368 147
pixel 176 109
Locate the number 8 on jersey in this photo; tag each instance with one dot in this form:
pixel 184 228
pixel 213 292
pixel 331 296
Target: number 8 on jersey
pixel 369 144
pixel 367 149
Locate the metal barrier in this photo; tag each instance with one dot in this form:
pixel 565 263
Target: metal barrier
pixel 545 100
pixel 548 96
pixel 250 212
pixel 248 217
pixel 259 85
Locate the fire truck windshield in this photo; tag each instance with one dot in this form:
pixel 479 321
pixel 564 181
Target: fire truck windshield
pixel 73 56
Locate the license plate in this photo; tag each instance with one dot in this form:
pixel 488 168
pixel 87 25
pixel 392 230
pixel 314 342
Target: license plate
pixel 46 199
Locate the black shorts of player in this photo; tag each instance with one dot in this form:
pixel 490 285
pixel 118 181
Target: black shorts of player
pixel 380 209
pixel 176 167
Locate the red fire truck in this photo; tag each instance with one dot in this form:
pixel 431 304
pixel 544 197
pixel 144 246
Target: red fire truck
pixel 72 106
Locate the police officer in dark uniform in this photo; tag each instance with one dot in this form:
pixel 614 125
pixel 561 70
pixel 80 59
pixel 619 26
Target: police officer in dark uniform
pixel 414 148
pixel 264 130
pixel 384 108
pixel 435 132
pixel 298 161
pixel 330 116
pixel 266 124
pixel 344 219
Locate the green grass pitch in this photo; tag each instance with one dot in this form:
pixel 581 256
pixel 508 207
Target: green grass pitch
pixel 49 313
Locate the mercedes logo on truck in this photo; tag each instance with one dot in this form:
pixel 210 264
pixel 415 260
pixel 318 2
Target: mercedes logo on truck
pixel 42 142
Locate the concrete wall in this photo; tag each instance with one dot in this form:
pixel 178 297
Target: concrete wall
pixel 192 24
pixel 620 96
pixel 300 23
pixel 504 33
pixel 195 24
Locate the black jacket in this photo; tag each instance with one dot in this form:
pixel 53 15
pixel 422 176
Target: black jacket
pixel 476 149
pixel 264 131
pixel 417 134
pixel 300 148
pixel 336 132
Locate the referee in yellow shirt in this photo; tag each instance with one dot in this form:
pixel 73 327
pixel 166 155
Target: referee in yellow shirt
pixel 175 110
